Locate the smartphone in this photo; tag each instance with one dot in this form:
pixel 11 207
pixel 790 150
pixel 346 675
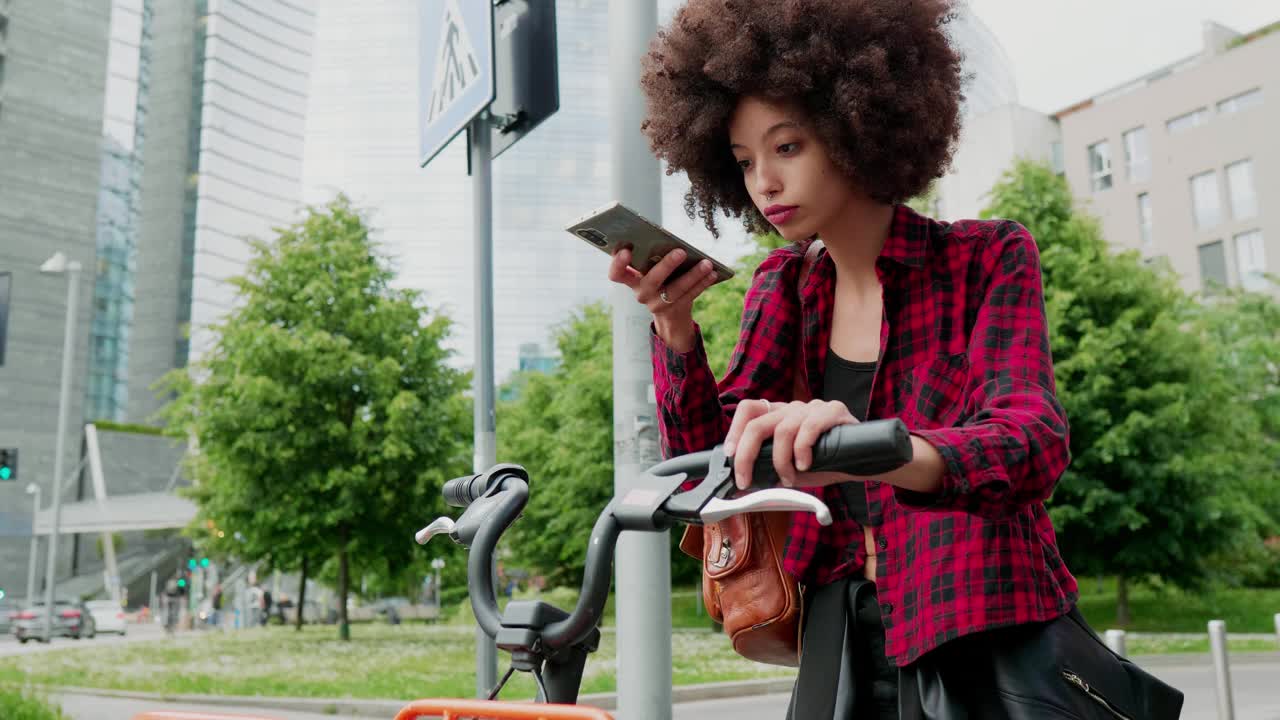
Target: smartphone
pixel 616 226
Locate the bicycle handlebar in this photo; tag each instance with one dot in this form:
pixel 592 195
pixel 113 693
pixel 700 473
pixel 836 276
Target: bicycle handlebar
pixel 494 500
pixel 868 448
pixel 510 498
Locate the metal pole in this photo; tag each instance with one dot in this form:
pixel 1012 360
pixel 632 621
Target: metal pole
pixel 643 560
pixel 93 456
pixel 1115 641
pixel 1218 647
pixel 64 402
pixel 1278 628
pixel 486 452
pixel 35 553
pixel 152 604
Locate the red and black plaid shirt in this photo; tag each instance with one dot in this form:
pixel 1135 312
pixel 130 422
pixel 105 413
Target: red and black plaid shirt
pixel 965 363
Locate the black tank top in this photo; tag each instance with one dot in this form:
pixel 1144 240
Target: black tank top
pixel 850 383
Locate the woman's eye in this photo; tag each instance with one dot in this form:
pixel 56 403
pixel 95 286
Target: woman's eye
pixel 787 148
pixel 744 164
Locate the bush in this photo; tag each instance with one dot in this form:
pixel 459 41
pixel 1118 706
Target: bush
pixel 18 704
pixel 1254 566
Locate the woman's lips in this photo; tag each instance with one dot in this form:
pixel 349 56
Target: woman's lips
pixel 779 214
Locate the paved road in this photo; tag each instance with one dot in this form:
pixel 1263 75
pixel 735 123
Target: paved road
pixel 10 646
pixel 1256 689
pixel 89 707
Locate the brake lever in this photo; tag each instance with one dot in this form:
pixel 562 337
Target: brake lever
pixel 439 526
pixel 771 500
pixel 689 504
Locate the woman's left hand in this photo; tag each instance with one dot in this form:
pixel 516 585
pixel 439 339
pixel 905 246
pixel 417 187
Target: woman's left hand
pixel 794 427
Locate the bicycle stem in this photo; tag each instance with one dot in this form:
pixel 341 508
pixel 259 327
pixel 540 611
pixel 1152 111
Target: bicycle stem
pixel 597 577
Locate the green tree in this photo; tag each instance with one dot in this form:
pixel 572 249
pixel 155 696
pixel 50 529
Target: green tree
pixel 324 418
pixel 560 428
pixel 1162 459
pixel 1245 326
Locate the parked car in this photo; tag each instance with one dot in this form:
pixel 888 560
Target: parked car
pixel 108 616
pixel 8 608
pixel 70 619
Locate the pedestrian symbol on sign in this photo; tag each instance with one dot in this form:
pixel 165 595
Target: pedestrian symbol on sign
pixel 456 66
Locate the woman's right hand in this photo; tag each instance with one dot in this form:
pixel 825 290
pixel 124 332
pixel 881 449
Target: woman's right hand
pixel 666 302
pixel 671 304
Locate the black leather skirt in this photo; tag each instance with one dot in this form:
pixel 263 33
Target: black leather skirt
pixel 1052 670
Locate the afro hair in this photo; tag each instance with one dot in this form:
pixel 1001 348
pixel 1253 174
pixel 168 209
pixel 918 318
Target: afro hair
pixel 879 81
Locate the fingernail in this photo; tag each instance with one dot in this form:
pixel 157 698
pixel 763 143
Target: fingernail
pixel 802 465
pixel 706 264
pixel 679 254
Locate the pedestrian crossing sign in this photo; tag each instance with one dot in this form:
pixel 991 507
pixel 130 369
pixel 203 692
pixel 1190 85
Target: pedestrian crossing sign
pixel 455 69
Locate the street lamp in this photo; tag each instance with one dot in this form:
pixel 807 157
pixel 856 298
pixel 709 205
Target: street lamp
pixel 33 489
pixel 438 565
pixel 60 265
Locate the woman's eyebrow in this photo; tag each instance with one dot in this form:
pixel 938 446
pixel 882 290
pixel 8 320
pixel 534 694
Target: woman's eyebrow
pixel 770 131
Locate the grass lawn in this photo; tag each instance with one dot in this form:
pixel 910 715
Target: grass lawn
pixel 1244 610
pixel 19 704
pixel 381 661
pixel 1156 645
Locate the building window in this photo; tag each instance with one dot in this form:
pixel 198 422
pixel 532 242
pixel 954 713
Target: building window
pixel 1144 219
pixel 1055 158
pixel 1244 201
pixel 1137 155
pixel 1241 102
pixel 1213 266
pixel 1195 118
pixel 1251 260
pixel 1205 203
pixel 1100 165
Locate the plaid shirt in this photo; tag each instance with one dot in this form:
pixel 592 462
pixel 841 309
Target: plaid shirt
pixel 965 363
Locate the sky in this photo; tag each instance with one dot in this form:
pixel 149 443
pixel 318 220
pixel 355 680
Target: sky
pixel 1064 52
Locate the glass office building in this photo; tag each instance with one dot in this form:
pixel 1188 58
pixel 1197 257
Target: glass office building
pixel 253 103
pixel 123 133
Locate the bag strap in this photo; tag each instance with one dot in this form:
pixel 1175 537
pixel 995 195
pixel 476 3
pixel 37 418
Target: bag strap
pixel 800 389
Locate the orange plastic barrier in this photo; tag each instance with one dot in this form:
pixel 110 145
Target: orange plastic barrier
pixel 492 710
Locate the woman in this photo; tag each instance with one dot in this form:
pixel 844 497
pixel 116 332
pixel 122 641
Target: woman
pixel 819 119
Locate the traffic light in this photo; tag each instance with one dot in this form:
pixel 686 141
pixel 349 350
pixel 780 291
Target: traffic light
pixel 204 562
pixel 182 582
pixel 8 463
pixel 191 563
pixel 1 593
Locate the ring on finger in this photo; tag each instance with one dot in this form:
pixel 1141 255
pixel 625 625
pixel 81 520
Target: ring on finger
pixel 665 299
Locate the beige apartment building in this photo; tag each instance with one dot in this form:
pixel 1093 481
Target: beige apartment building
pixel 1184 162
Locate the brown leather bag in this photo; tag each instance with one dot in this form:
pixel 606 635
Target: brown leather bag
pixel 744 585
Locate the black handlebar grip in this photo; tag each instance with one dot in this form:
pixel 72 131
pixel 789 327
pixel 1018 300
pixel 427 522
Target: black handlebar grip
pixel 462 491
pixel 868 448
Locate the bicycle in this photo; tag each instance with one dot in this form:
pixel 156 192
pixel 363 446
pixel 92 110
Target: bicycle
pixel 553 645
